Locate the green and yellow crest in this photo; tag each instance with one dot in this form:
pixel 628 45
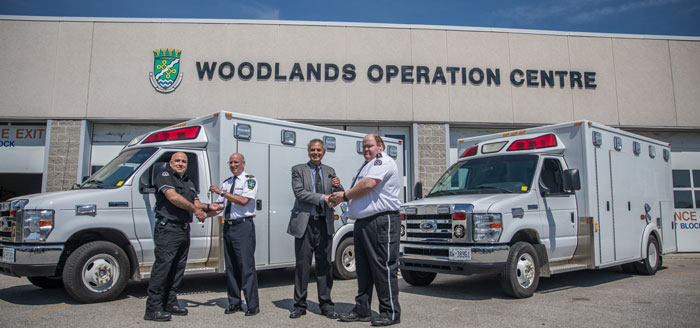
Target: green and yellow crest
pixel 166 74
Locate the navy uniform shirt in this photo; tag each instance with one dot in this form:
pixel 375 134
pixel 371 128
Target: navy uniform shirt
pixel 183 186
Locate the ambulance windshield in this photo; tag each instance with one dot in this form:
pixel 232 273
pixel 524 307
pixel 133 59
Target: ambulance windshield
pixel 488 175
pixel 116 172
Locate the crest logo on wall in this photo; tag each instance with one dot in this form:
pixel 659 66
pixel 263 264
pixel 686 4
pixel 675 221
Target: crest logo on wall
pixel 166 74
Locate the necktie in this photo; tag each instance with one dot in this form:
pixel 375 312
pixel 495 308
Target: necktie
pixel 358 174
pixel 319 189
pixel 227 211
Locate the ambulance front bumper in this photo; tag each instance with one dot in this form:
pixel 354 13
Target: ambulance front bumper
pixel 22 260
pixel 436 258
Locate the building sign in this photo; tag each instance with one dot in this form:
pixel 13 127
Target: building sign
pixel 404 74
pixel 22 135
pixel 687 230
pixel 166 66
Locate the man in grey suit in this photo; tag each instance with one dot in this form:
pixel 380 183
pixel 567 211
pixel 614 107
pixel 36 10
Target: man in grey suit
pixel 311 224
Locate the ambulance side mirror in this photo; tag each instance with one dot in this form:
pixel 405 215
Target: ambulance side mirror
pixel 572 180
pixel 418 190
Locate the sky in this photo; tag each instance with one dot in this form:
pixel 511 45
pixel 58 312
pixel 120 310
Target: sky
pixel 649 17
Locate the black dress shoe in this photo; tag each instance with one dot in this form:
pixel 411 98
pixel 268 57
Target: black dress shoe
pixel 330 314
pixel 297 313
pixel 176 310
pixel 157 316
pixel 233 309
pixel 353 316
pixel 252 312
pixel 384 321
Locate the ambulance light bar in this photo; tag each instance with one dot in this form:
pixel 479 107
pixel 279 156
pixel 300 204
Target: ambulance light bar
pixel 471 151
pixel 545 141
pixel 177 134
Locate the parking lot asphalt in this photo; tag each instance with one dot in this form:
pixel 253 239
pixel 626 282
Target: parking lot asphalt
pixel 589 298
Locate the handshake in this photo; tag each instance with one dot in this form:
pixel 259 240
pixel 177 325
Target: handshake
pixel 336 197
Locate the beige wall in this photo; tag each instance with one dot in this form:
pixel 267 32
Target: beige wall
pixel 99 70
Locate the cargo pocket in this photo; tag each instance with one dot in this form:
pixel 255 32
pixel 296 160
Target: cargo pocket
pixel 388 229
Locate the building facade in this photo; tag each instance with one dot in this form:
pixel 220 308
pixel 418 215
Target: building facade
pixel 73 91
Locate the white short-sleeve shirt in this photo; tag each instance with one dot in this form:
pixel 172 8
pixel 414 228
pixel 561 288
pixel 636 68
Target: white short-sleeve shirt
pixel 246 186
pixel 384 196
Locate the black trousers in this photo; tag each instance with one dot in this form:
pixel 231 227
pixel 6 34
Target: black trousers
pixel 172 243
pixel 376 259
pixel 315 241
pixel 239 249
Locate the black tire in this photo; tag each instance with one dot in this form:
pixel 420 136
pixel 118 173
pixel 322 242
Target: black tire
pixel 96 272
pixel 344 265
pixel 521 274
pixel 418 278
pixel 649 265
pixel 629 268
pixel 47 282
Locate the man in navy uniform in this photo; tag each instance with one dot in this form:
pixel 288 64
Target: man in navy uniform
pixel 238 192
pixel 312 225
pixel 373 200
pixel 176 201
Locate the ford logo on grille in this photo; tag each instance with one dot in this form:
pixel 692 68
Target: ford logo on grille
pixel 428 225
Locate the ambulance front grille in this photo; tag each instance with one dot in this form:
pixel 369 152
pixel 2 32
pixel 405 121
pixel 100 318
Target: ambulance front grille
pixel 440 228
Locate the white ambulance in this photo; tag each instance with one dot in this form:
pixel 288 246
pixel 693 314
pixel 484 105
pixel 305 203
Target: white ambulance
pixel 531 203
pixel 96 237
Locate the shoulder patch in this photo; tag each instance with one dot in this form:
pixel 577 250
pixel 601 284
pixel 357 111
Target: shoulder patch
pixel 378 162
pixel 251 184
pixel 165 174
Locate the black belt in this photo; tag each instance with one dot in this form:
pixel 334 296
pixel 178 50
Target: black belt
pixel 381 214
pixel 317 217
pixel 239 220
pixel 164 221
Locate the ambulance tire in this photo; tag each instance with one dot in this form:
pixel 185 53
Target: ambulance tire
pixel 649 265
pixel 344 265
pixel 96 272
pixel 46 282
pixel 418 278
pixel 521 274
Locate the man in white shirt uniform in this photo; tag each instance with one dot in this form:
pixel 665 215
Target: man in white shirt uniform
pixel 373 200
pixel 238 192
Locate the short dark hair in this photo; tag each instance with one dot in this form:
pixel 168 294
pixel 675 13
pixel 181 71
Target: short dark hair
pixel 316 140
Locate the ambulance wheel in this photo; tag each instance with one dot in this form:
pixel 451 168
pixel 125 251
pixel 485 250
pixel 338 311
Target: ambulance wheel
pixel 418 278
pixel 96 272
pixel 649 265
pixel 521 274
pixel 344 266
pixel 46 282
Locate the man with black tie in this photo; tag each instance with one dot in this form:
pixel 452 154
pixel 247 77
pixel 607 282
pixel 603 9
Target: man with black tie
pixel 312 226
pixel 238 193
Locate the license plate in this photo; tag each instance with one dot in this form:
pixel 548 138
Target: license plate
pixel 8 255
pixel 460 254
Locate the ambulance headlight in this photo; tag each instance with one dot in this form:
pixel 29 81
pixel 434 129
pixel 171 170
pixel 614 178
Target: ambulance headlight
pixel 487 227
pixel 36 224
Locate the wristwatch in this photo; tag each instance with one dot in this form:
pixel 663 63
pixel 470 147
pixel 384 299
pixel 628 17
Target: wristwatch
pixel 345 198
pixel 223 193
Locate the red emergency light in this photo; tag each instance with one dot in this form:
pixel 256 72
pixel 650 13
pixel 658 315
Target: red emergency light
pixel 471 151
pixel 545 141
pixel 177 134
pixel 459 216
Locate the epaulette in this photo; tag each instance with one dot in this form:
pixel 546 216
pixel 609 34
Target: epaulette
pixel 379 155
pixel 249 176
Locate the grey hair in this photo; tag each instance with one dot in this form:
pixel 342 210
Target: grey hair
pixel 316 140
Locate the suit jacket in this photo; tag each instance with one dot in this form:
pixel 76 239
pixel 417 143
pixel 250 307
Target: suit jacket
pixel 306 199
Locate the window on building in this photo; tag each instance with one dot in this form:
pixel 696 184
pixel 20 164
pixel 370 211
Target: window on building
pixel 685 189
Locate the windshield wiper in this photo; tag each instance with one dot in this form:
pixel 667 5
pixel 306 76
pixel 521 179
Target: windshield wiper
pixel 98 184
pixel 443 192
pixel 493 187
